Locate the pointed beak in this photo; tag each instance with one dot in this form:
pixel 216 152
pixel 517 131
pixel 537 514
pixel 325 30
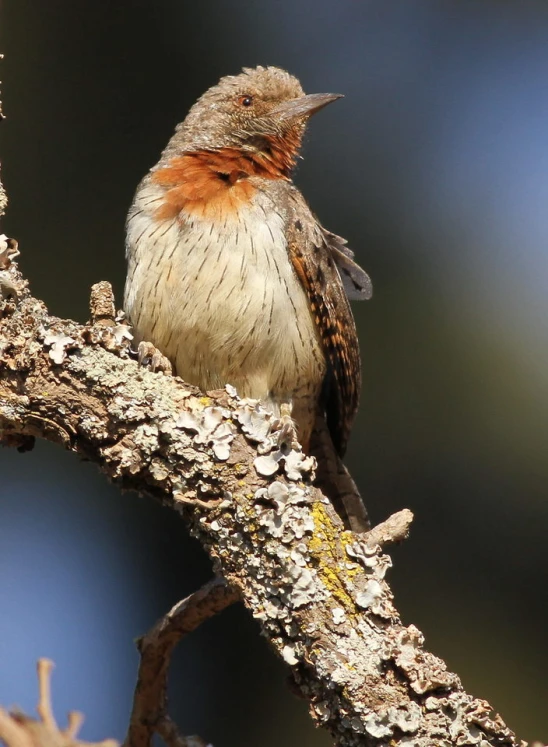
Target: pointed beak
pixel 304 106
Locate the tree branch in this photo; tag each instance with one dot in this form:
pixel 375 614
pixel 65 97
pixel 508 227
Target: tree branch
pixel 149 713
pixel 319 593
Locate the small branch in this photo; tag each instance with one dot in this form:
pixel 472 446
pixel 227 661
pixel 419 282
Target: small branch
pixel 149 712
pixel 75 721
pixel 45 668
pixel 392 530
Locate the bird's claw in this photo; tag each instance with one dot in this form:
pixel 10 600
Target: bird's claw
pixel 287 435
pixel 148 355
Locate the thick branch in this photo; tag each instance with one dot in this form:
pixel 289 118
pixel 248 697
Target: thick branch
pixel 318 592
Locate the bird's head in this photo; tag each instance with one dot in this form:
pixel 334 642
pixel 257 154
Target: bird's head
pixel 262 112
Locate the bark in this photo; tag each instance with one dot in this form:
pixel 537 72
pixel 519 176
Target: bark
pixel 319 593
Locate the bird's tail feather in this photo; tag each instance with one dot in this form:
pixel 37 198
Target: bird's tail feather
pixel 335 481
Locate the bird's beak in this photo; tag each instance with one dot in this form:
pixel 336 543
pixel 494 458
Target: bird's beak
pixel 304 106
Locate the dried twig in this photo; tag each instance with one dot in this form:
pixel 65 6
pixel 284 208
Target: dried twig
pixel 394 529
pixel 149 712
pixel 19 730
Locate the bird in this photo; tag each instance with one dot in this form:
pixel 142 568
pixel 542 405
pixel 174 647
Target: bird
pixel 233 279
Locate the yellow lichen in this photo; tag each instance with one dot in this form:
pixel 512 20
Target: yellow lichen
pixel 323 551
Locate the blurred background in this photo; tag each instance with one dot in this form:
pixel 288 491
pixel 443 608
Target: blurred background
pixel 435 167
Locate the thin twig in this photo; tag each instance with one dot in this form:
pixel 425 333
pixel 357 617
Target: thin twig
pixel 44 708
pixel 392 530
pixel 19 730
pixel 149 712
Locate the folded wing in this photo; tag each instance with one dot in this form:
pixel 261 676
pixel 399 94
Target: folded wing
pixel 329 275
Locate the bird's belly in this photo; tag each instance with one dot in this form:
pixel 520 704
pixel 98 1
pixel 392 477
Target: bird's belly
pixel 226 307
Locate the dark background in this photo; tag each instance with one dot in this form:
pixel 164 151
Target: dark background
pixel 435 167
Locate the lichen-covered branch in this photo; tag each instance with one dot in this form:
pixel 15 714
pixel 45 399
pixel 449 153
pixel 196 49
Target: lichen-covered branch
pixel 318 592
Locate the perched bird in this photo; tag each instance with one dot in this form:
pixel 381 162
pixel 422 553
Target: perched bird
pixel 234 280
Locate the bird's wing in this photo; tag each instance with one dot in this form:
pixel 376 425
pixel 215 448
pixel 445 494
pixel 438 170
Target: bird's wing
pixel 325 267
pixel 356 281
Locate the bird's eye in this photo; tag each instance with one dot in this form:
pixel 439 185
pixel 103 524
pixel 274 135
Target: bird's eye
pixel 245 100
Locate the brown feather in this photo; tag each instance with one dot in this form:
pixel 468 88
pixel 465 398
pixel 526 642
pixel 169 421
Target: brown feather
pixel 331 311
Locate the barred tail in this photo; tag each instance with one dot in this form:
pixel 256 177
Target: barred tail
pixel 334 480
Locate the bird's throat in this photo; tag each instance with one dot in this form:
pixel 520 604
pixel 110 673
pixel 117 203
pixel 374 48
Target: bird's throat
pixel 207 182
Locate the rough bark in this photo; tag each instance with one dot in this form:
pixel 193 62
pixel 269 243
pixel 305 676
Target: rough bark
pixel 319 593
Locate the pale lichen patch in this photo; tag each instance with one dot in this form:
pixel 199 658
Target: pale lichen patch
pixel 211 428
pixel 369 596
pixel 58 345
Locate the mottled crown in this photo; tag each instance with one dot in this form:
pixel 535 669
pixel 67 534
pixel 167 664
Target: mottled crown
pixel 238 111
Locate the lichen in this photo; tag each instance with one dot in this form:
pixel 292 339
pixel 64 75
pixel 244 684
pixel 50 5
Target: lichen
pixel 322 548
pixel 59 344
pixel 211 427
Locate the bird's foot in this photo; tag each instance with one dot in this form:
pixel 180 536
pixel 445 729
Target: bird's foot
pixel 148 355
pixel 287 435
